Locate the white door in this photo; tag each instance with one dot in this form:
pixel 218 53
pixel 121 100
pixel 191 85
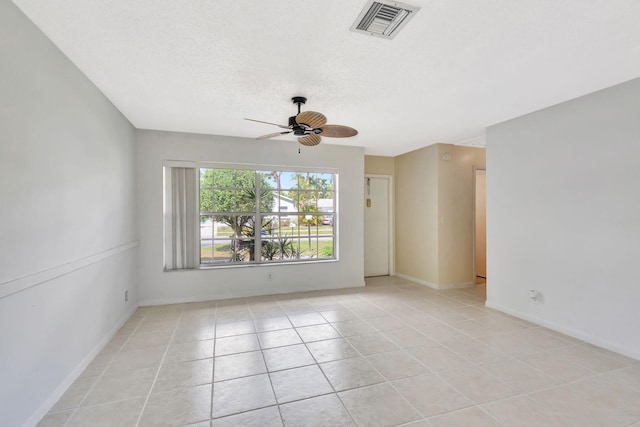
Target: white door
pixel 376 226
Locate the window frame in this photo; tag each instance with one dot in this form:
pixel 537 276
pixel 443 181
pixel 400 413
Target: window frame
pixel 258 214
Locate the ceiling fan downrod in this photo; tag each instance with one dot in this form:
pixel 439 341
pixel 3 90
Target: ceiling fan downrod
pixel 299 100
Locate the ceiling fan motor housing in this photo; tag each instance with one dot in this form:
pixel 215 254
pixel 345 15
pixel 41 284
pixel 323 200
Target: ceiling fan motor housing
pixel 301 129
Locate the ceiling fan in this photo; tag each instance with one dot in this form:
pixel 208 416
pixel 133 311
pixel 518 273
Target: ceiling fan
pixel 308 126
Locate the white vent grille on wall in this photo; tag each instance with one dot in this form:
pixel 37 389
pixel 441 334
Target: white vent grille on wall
pixel 383 18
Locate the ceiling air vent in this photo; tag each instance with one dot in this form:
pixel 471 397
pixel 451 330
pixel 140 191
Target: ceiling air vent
pixel 383 18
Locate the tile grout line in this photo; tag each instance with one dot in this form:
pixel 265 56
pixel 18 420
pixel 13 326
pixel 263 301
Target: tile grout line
pixel 317 364
pixel 264 360
pixel 155 378
pixel 474 404
pixel 372 366
pixel 106 367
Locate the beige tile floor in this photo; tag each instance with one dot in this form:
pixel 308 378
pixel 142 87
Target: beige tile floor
pixel 392 353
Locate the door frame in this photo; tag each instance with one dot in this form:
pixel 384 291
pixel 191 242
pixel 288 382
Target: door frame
pixel 391 225
pixel 475 174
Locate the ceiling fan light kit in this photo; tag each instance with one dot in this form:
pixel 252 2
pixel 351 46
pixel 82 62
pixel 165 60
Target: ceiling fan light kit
pixel 308 126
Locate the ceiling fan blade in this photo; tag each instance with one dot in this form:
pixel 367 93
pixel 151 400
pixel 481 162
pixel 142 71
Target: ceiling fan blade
pixel 338 131
pixel 268 123
pixel 310 140
pixel 312 119
pixel 271 135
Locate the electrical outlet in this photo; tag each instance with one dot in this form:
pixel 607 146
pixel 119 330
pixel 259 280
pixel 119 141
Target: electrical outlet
pixel 126 296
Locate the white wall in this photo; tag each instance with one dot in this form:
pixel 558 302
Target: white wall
pixel 158 287
pixel 67 228
pixel 563 203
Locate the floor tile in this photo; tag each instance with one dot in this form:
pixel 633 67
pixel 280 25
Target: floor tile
pixel 560 369
pixel 526 412
pixel 372 343
pixel 296 307
pixel 98 365
pixel 599 350
pixel 279 338
pixel 420 423
pixel 322 411
pixel 408 337
pixel 352 328
pixel 293 356
pixel 194 333
pixel 184 374
pixel 329 350
pixel 438 331
pixel 235 328
pixel 473 328
pixel 236 344
pixel 518 375
pixel 238 365
pixel 378 405
pixel 233 316
pixel 472 349
pixel 185 352
pixel 339 315
pixel 369 311
pixel 590 359
pixel 470 417
pixel 128 361
pixel 317 333
pixel 627 377
pixel 612 394
pixel 242 394
pixel 123 386
pixel 351 373
pixel 191 320
pixel 430 395
pixel 386 323
pixel 272 324
pixel 75 393
pixel 148 339
pixel 397 364
pixel 477 385
pixel 265 417
pixel 177 407
pixel 438 358
pixel 55 419
pixel 299 383
pixel 306 319
pixel 387 354
pixel 122 413
pixel 582 408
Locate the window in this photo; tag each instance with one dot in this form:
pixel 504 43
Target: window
pixel 258 216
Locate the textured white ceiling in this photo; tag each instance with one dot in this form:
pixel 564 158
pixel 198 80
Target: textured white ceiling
pixel 457 67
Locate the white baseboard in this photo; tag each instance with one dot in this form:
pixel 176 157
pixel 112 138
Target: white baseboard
pixel 439 286
pixel 240 294
pixel 599 342
pixel 73 375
